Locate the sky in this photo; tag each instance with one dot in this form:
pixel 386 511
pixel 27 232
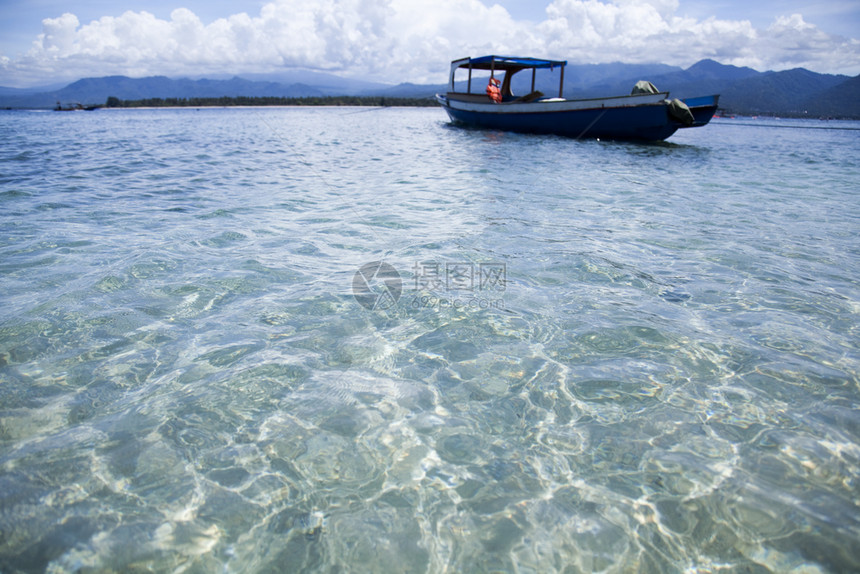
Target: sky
pixel 46 42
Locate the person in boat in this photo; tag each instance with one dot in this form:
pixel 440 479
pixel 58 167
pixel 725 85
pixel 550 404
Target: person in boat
pixel 494 91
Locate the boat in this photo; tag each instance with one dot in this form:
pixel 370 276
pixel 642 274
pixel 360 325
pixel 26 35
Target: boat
pixel 75 108
pixel 645 114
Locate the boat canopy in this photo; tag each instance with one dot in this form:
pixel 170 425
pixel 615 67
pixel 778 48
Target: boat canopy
pixel 508 64
pixel 505 63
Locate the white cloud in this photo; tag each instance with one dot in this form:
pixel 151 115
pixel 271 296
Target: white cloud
pixel 802 45
pixel 413 40
pixel 58 34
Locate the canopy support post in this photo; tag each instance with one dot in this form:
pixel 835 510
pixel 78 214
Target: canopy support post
pixel 561 83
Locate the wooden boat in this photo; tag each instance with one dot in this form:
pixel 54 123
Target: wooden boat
pixel 645 114
pixel 74 108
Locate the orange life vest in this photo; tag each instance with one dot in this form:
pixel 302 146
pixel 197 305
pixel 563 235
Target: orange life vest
pixel 493 90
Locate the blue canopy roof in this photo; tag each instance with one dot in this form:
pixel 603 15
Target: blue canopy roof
pixel 505 62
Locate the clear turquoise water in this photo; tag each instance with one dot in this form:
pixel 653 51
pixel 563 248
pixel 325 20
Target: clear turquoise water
pixel 663 376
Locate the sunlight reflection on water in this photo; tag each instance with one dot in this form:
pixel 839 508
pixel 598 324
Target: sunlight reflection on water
pixel 665 380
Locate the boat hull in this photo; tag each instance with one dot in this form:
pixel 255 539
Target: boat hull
pixel 643 118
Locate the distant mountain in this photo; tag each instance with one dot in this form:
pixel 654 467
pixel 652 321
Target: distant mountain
pixel 782 93
pixel 711 70
pixel 742 90
pixel 702 78
pixel 12 92
pixel 844 97
pixel 328 84
pixel 745 91
pixel 408 90
pixel 586 76
pixel 97 90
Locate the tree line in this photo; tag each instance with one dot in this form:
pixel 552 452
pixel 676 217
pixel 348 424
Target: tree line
pixel 228 101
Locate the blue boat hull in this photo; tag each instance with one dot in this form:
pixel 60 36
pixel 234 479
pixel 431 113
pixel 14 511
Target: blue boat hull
pixel 650 122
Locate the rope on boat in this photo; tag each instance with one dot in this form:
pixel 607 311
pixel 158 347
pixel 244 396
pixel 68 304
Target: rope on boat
pixel 589 126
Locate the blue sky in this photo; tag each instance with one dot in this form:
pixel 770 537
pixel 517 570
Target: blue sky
pixel 47 41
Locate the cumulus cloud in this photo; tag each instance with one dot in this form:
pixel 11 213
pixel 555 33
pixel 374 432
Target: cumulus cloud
pixel 412 40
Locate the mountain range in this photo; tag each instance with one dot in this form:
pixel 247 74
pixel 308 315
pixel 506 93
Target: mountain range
pixel 743 91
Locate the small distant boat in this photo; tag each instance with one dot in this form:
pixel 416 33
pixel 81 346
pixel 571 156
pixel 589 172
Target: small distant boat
pixel 74 108
pixel 646 114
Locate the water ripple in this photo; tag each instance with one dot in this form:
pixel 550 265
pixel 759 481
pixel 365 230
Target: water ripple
pixel 604 356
